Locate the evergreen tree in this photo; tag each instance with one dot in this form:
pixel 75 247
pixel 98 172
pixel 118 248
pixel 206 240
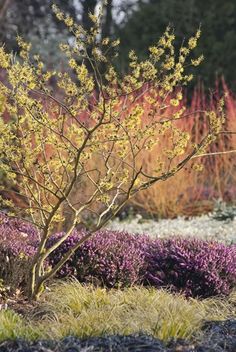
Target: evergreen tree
pixel 143 26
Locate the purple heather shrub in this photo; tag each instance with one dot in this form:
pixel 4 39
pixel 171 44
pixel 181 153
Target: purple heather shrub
pixel 18 242
pixel 68 269
pixel 109 258
pixel 193 267
pixel 18 235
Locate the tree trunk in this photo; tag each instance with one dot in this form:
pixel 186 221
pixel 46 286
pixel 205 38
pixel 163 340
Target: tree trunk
pixel 4 4
pixel 107 24
pixel 88 7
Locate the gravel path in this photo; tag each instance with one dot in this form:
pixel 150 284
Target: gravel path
pixel 203 227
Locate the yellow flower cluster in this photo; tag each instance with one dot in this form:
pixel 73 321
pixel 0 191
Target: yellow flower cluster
pixel 198 167
pixel 24 48
pixel 66 83
pixel 192 43
pixel 197 61
pixel 174 102
pixel 69 22
pixel 4 58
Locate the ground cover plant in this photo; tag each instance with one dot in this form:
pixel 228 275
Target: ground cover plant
pixel 196 268
pixel 47 145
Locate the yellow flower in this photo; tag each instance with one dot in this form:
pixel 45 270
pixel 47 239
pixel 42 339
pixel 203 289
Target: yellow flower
pixel 93 18
pixel 115 43
pixel 192 43
pixel 174 102
pixel 4 59
pixel 72 63
pixel 154 50
pixel 198 34
pixel 105 41
pixel 198 167
pixel 179 96
pixel 69 21
pixel 197 61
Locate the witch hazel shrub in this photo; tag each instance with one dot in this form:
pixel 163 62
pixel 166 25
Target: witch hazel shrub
pixel 110 258
pixel 193 267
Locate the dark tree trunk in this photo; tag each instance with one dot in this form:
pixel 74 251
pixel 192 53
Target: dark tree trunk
pixel 107 25
pixel 88 7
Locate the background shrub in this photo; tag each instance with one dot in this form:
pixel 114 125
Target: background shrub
pixel 217 179
pixel 194 267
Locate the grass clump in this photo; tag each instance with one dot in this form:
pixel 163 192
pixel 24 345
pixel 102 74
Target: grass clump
pixel 84 311
pixel 13 326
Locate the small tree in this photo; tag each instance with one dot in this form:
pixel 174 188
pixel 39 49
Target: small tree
pixel 65 138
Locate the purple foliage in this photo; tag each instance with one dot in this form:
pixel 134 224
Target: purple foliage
pixel 110 258
pixel 194 267
pixel 18 242
pixel 18 235
pixel 68 269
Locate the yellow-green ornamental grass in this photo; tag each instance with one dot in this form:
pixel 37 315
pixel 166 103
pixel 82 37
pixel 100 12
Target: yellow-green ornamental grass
pixel 83 311
pixel 54 135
